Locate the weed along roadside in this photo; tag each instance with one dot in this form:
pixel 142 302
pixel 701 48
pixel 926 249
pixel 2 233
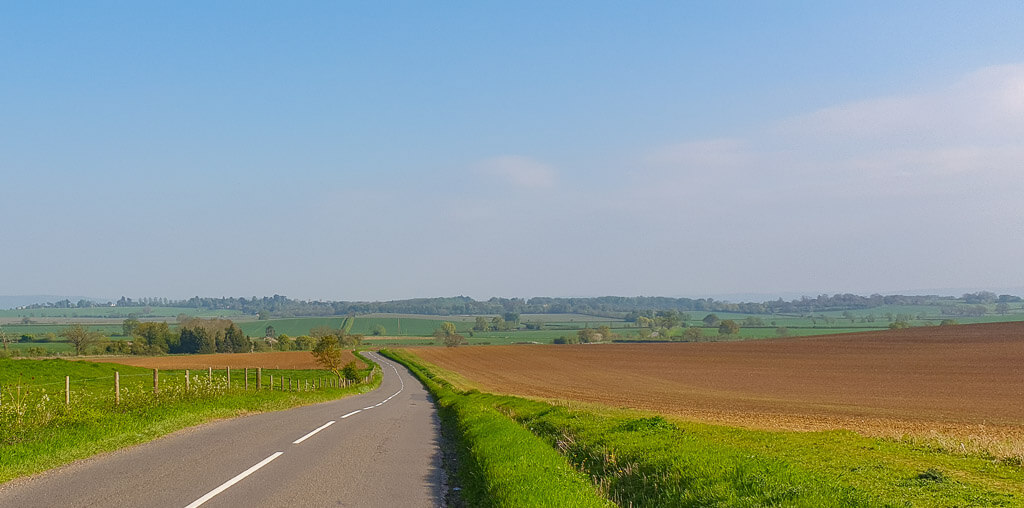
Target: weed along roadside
pixel 634 458
pixel 53 412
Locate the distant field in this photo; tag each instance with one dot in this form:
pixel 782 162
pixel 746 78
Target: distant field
pixel 960 380
pixel 269 360
pixel 293 327
pixel 116 312
pixel 42 329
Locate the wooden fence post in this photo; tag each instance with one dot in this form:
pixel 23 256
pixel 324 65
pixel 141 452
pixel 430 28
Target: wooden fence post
pixel 67 390
pixel 117 387
pixel 210 373
pixel 271 382
pixel 246 385
pixel 229 376
pixel 259 378
pixel 188 382
pixel 156 381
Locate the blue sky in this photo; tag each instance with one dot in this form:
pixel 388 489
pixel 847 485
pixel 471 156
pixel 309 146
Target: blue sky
pixel 353 150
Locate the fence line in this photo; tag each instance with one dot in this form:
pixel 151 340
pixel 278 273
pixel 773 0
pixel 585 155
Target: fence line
pixel 305 385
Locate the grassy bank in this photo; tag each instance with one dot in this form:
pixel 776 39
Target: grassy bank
pixel 38 431
pixel 643 459
pixel 500 462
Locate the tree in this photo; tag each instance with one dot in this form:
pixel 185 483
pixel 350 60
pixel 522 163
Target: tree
pixel 304 342
pixel 498 324
pixel 710 320
pixel 319 332
pixel 782 331
pixel 693 334
pixel 328 354
pixel 237 342
pixel 948 322
pixel 270 332
pixel 4 339
pixel 351 372
pixel 589 335
pixel 1002 308
pixel 79 336
pixel 899 325
pixel 481 324
pixel 447 334
pixel 128 326
pixel 512 318
pixel 379 330
pixel 152 338
pixel 667 319
pixel 728 327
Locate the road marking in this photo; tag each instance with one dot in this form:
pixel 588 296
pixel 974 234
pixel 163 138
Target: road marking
pixel 229 483
pixel 318 429
pixel 352 413
pixel 367 408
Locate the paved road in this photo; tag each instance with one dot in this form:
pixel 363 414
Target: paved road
pixel 380 450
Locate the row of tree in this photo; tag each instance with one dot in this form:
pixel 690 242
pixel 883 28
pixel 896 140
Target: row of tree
pixel 612 306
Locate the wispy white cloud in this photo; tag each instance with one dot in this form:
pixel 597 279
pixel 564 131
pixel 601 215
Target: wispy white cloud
pixel 519 171
pixel 963 138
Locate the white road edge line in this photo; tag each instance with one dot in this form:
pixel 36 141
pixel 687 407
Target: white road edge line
pixel 318 429
pixel 352 413
pixel 229 483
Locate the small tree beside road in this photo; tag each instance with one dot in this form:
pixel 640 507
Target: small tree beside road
pixel 328 354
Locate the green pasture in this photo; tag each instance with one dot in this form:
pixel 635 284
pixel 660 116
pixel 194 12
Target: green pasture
pixel 293 327
pixel 39 330
pixel 117 312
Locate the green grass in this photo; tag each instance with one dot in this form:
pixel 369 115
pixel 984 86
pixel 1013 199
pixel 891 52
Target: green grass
pixel 117 312
pixel 38 431
pixel 293 327
pixel 38 330
pixel 643 459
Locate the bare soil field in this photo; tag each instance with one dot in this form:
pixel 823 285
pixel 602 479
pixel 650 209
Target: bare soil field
pixel 269 360
pixel 959 382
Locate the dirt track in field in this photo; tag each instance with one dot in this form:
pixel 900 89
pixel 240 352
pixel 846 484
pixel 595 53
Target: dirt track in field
pixel 269 360
pixel 965 381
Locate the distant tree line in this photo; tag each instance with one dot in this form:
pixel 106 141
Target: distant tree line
pixel 610 306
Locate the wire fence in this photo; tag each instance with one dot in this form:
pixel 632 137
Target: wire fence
pixel 26 404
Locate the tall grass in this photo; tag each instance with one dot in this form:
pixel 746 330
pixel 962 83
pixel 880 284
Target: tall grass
pixel 38 430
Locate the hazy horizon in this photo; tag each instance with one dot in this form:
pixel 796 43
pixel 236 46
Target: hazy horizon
pixel 380 152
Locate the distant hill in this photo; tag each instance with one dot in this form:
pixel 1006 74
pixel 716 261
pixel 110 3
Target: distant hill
pixel 10 302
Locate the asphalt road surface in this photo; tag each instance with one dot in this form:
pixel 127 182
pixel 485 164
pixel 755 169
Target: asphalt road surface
pixel 374 449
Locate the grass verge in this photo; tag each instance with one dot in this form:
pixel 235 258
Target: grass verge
pixel 38 431
pixel 502 464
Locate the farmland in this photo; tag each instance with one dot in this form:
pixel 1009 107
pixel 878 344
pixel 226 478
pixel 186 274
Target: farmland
pixel 641 458
pixel 271 360
pixel 945 382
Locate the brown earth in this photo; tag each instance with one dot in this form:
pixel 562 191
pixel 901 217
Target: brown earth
pixel 963 382
pixel 269 360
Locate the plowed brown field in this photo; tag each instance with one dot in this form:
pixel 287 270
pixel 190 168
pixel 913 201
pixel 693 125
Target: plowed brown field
pixel 270 360
pixel 958 380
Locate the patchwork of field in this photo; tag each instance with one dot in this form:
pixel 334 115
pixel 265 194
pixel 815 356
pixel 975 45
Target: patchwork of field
pixel 271 360
pixel 965 381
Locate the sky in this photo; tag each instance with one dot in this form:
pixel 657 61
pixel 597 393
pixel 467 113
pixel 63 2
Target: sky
pixel 388 150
